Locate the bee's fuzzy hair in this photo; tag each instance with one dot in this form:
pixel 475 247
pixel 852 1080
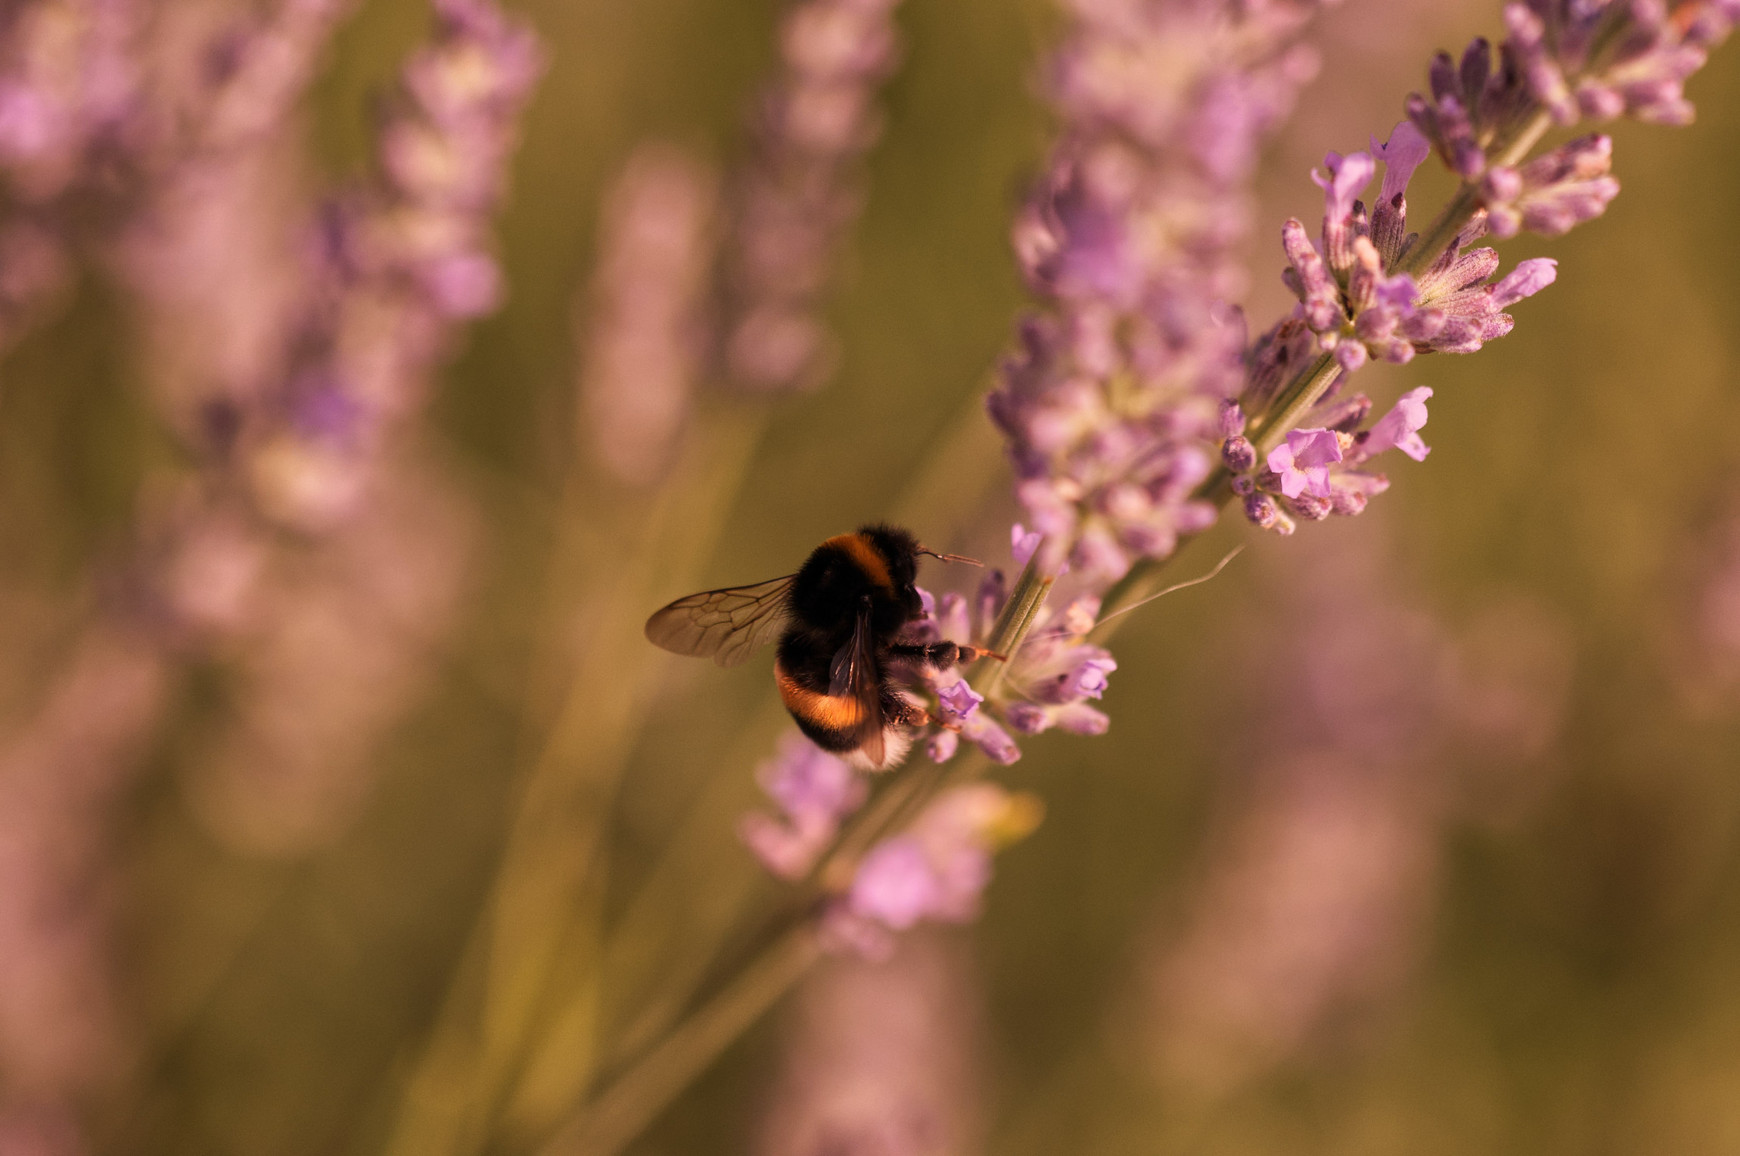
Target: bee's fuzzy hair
pixel 896 745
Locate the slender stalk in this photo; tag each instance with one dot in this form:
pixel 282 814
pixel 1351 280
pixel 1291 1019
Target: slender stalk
pixel 1017 619
pixel 1295 400
pixel 533 956
pixel 619 1113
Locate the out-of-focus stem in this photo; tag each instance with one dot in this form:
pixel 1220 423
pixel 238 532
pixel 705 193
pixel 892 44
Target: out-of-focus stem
pixel 626 1107
pixel 535 947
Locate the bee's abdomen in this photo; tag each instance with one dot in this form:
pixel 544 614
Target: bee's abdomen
pixel 833 722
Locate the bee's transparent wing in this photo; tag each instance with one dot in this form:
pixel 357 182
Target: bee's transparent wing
pixel 724 625
pixel 854 674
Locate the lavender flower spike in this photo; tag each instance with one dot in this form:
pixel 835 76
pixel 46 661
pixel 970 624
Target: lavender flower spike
pixel 402 261
pixel 814 792
pixel 799 194
pixel 644 322
pixel 1111 406
pixel 935 871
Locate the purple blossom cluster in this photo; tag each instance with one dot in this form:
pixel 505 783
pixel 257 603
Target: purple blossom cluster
pixel 151 141
pixel 814 792
pixel 645 322
pixel 1048 683
pixel 1355 298
pixel 1325 468
pixel 934 870
pixel 1129 241
pixel 1366 287
pixel 798 194
pixel 1133 409
pixel 398 262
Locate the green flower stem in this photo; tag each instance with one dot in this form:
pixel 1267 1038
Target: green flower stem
pixel 623 1109
pixel 1013 624
pixel 530 967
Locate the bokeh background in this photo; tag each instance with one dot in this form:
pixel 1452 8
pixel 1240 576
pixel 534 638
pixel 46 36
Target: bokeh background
pixel 1415 832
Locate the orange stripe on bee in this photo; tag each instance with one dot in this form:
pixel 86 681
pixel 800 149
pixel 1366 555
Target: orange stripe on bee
pixel 869 559
pixel 835 712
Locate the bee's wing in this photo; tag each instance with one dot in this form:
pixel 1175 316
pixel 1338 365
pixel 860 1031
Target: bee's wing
pixel 854 674
pixel 724 625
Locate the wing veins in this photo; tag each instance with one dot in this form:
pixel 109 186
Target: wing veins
pixel 725 624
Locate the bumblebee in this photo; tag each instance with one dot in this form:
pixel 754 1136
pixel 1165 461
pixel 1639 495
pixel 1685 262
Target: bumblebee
pixel 837 620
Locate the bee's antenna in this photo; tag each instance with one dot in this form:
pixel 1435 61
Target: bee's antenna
pixel 951 557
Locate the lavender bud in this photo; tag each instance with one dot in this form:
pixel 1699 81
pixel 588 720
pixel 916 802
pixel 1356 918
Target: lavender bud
pixel 1232 418
pixel 1347 502
pixel 1308 506
pixel 1080 719
pixel 1261 510
pixel 1238 454
pixel 1027 718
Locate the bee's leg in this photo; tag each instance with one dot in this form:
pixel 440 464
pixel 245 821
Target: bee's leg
pixel 942 655
pixel 974 653
pixel 902 711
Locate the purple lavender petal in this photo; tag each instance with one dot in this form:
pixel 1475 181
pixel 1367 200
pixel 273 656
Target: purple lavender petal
pixel 1398 429
pixel 1404 152
pixel 1348 177
pixel 959 701
pixel 1527 279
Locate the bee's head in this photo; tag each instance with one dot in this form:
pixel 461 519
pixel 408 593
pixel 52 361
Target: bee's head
pixel 899 550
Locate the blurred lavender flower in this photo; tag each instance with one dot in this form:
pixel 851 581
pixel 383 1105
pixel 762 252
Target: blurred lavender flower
pixel 64 1039
pixel 110 107
pixel 331 651
pixel 1317 892
pixel 880 1058
pixel 793 201
pixel 254 71
pixel 72 94
pixel 935 870
pixel 814 792
pixel 399 263
pixel 1111 406
pixel 34 271
pixel 645 327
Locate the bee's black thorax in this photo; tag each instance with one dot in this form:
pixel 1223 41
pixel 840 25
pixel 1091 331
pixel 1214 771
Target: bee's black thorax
pixel 876 567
